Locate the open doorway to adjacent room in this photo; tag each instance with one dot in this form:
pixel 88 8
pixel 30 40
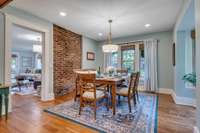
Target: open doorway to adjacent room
pixel 26 61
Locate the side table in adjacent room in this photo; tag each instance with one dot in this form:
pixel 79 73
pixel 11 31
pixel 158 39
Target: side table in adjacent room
pixel 4 96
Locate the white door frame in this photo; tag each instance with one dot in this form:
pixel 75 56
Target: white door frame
pixel 47 61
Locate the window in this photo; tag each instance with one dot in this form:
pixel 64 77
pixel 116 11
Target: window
pixel 128 60
pixel 142 64
pixel 114 59
pixel 141 50
pixel 38 61
pixel 14 64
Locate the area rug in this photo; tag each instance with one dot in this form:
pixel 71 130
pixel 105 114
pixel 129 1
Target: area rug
pixel 142 120
pixel 24 91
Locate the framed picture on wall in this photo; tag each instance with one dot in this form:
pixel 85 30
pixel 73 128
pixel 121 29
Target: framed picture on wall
pixel 90 56
pixel 174 54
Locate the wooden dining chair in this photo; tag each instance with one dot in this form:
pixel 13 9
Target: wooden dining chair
pixel 77 79
pixel 122 72
pixel 77 88
pixel 136 85
pixel 130 91
pixel 89 95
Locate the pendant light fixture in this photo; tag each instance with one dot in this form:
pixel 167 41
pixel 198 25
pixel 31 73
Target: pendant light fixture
pixel 110 48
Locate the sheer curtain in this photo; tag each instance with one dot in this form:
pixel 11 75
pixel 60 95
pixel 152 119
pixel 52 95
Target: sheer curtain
pixel 107 60
pixel 151 78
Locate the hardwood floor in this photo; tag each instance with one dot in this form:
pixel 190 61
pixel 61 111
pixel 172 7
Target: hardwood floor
pixel 28 117
pixel 174 118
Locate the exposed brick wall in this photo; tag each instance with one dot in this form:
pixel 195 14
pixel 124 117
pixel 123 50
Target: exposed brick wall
pixel 67 56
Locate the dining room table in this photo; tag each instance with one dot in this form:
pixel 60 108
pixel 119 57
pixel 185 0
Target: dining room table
pixel 111 81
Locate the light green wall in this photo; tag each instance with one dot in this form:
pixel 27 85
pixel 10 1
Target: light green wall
pixel 100 56
pixel 180 88
pixel 89 45
pixel 180 38
pixel 165 68
pixel 197 11
pixel 1 47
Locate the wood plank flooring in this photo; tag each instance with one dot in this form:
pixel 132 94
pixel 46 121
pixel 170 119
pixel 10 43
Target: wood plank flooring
pixel 28 117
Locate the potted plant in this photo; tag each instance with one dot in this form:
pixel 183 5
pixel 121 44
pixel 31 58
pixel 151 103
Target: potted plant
pixel 190 78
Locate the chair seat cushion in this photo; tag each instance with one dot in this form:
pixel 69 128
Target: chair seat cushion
pixel 123 91
pixel 90 95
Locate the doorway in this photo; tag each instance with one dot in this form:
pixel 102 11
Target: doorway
pixel 26 61
pixel 47 53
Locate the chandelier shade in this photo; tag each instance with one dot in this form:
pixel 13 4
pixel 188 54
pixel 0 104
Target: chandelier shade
pixel 110 48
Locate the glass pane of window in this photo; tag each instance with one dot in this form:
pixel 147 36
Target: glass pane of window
pixel 142 63
pixel 128 60
pixel 14 66
pixel 114 59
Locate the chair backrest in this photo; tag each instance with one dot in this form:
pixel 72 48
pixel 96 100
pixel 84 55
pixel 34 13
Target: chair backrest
pixel 132 83
pixel 137 80
pixel 87 82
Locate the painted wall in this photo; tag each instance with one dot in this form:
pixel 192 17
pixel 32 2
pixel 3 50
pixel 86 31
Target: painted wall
pixel 197 11
pixel 25 54
pixel 180 88
pixel 100 56
pixel 182 26
pixel 89 45
pixel 165 68
pixel 1 47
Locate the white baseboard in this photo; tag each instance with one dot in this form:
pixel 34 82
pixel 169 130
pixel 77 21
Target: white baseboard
pixel 177 99
pixel 183 100
pixel 196 130
pixel 49 98
pixel 165 91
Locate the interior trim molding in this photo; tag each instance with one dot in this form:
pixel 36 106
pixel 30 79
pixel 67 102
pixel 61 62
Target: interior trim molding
pixel 168 91
pixel 47 73
pixel 177 99
pixel 196 130
pixel 183 100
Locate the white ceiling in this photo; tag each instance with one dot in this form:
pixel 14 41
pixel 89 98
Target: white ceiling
pixel 89 17
pixel 23 39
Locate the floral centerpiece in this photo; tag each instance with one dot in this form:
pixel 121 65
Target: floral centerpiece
pixel 110 70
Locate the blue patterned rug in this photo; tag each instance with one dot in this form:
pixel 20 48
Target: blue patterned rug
pixel 142 120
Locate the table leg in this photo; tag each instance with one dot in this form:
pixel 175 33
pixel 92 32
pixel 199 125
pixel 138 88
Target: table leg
pixel 0 105
pixel 6 106
pixel 114 87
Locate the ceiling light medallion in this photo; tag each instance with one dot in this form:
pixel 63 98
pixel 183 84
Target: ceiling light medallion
pixel 110 48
